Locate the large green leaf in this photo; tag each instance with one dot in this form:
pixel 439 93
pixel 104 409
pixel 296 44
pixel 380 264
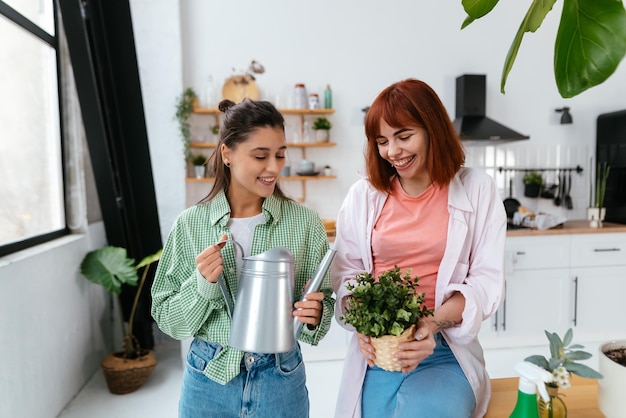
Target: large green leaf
pixel 476 9
pixel 109 267
pixel 532 21
pixel 590 43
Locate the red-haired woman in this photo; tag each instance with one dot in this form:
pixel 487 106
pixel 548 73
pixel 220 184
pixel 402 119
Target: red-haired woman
pixel 419 208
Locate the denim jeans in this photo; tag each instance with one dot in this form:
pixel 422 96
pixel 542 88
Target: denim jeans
pixel 436 388
pixel 269 386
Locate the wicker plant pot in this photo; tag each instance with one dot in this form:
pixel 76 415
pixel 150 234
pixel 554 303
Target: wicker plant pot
pixel 127 375
pixel 387 345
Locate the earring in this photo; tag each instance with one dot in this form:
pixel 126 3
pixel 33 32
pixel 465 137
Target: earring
pixel 227 164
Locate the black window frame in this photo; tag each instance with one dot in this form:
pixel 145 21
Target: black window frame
pixel 51 40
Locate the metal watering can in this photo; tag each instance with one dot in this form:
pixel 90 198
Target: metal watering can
pixel 262 321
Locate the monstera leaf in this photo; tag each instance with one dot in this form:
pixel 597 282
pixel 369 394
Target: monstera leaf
pixel 589 45
pixel 109 267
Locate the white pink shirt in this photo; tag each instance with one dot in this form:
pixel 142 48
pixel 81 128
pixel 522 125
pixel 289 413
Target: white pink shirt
pixel 472 264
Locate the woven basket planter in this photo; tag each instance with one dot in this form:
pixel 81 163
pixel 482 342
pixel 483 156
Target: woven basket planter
pixel 387 345
pixel 127 375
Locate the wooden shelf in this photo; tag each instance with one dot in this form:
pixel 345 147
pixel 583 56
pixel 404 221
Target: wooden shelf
pixel 285 178
pixel 289 144
pixel 215 111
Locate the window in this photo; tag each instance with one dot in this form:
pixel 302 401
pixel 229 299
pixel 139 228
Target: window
pixel 32 208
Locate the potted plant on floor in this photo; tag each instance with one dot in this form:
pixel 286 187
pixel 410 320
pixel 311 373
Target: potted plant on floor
pixel 322 126
pixel 125 371
pixel 532 184
pixel 387 310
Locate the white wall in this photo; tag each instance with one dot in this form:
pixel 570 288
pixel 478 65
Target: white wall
pixel 53 324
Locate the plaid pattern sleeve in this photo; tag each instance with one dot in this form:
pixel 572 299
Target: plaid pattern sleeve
pixel 185 304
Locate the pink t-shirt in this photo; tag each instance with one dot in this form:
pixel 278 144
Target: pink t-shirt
pixel 411 232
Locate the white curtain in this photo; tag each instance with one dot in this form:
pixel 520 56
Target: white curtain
pixel 74 140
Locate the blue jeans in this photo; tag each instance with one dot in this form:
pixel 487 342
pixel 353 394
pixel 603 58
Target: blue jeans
pixel 269 386
pixel 436 388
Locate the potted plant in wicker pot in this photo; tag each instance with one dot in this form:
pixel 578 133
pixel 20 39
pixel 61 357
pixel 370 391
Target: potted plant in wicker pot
pixel 387 310
pixel 125 371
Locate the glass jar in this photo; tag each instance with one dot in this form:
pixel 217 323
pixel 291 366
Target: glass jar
pixel 300 96
pixel 555 407
pixel 314 101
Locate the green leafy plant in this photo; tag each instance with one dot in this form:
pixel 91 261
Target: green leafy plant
pixel 602 175
pixel 215 129
pixel 184 109
pixel 589 45
pixel 562 362
pixel 322 123
pixel 386 306
pixel 198 159
pixel 532 177
pixel 111 268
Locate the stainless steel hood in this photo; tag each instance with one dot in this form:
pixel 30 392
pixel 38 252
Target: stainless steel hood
pixel 471 123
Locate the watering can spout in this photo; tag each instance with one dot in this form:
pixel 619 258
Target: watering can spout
pixel 314 285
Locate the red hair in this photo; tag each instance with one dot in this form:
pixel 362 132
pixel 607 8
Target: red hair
pixel 413 103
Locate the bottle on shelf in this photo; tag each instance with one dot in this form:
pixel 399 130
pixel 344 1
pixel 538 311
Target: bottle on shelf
pixel 314 101
pixel 300 96
pixel 209 93
pixel 328 97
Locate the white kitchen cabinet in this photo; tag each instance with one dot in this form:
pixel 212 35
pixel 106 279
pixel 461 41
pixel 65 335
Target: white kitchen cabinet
pixel 554 282
pixel 536 288
pixel 599 281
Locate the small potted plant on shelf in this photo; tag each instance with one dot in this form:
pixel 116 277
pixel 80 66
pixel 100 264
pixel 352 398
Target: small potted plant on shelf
pixel 321 126
pixel 562 363
pixel 125 371
pixel 328 171
pixel 532 183
pixel 387 310
pixel 215 130
pixel 199 163
pixel 596 210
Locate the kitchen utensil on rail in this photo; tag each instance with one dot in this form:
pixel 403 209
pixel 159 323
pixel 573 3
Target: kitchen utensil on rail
pixel 262 320
pixel 511 205
pixel 568 199
pixel 559 190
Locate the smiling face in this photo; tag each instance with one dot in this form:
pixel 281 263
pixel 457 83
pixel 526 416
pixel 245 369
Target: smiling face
pixel 406 149
pixel 255 164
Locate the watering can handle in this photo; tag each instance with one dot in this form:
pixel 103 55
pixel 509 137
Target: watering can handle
pixel 224 286
pixel 314 284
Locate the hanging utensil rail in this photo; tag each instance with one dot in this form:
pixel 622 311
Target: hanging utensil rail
pixel 577 169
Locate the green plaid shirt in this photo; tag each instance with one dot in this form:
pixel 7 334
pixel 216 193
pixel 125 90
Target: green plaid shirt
pixel 184 304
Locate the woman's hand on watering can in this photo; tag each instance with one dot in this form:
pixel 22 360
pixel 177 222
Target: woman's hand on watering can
pixel 210 263
pixel 309 310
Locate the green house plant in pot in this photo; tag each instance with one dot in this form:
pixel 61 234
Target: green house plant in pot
pixel 322 126
pixel 532 183
pixel 596 210
pixel 387 310
pixel 199 164
pixel 127 370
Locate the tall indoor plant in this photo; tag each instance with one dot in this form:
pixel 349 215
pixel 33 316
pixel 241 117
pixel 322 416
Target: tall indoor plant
pixel 125 371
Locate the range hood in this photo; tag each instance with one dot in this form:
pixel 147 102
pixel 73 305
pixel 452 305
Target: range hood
pixel 471 123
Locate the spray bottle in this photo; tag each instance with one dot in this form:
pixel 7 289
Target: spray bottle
pixel 532 377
